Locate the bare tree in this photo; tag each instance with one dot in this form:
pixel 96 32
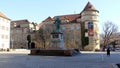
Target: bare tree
pixel 109 29
pixel 42 37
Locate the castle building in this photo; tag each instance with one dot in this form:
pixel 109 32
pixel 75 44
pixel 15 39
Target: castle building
pixel 80 31
pixel 20 29
pixel 4 32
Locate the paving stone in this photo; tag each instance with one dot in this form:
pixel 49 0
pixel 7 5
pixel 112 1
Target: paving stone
pixel 84 60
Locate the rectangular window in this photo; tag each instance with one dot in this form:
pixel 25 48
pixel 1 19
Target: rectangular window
pixel 63 28
pixel 72 27
pixel 2 36
pixel 55 36
pixel 61 36
pixel 78 27
pixel 3 27
pixel 90 29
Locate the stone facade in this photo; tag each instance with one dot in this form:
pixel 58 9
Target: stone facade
pixel 71 32
pixel 75 28
pixel 20 29
pixel 90 14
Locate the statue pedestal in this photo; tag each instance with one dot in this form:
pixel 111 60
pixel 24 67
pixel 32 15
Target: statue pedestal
pixel 48 52
pixel 57 42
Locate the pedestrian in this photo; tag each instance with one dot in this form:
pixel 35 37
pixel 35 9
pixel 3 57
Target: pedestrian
pixel 108 51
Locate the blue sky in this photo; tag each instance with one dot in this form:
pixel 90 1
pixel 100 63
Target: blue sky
pixel 38 10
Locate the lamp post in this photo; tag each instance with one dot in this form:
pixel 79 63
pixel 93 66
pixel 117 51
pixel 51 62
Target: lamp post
pixel 12 43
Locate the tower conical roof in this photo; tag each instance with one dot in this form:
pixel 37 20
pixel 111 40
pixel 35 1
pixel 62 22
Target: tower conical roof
pixel 89 7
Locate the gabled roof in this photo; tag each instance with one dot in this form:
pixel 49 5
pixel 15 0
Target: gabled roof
pixel 18 22
pixel 48 19
pixel 3 16
pixel 89 7
pixel 71 17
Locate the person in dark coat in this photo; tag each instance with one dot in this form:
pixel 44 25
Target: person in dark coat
pixel 108 51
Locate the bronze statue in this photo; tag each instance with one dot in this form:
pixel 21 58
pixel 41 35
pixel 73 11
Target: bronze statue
pixel 57 23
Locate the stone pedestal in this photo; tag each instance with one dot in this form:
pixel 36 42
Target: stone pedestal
pixel 57 42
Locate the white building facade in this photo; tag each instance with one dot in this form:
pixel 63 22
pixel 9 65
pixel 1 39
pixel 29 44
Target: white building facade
pixel 4 32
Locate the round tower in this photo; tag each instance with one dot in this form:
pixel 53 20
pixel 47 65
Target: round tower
pixel 89 17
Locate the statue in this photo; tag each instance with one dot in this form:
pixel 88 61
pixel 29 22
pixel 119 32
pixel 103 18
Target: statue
pixel 57 23
pixel 57 41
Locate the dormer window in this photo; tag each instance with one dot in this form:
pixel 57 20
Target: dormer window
pixel 63 21
pixel 67 20
pixel 14 24
pixel 90 6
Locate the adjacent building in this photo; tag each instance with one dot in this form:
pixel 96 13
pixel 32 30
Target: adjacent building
pixel 4 32
pixel 20 29
pixel 80 30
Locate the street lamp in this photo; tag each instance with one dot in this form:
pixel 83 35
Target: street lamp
pixel 12 43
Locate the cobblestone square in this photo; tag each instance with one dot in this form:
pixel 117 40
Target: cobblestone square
pixel 83 60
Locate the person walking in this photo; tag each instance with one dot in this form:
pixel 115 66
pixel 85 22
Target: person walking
pixel 108 51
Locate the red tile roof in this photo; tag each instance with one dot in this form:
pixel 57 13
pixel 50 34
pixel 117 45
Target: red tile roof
pixel 71 17
pixel 2 15
pixel 18 22
pixel 89 7
pixel 48 19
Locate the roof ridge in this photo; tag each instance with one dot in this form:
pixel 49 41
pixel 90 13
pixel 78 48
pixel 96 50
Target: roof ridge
pixel 4 16
pixel 89 7
pixel 21 20
pixel 48 19
pixel 67 15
